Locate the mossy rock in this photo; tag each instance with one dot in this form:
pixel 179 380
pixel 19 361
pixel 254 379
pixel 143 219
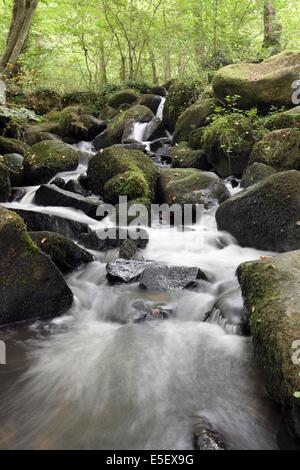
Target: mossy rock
pixel 43 101
pixel 117 125
pixel 191 186
pixel 271 292
pixel 266 215
pixel 64 253
pixel 114 162
pixel 196 141
pixel 228 142
pixel 45 159
pixel 255 173
pixel 35 132
pixel 182 94
pixel 185 157
pixel 192 118
pixel 108 113
pixel 263 85
pixel 284 120
pixel 14 164
pixel 132 184
pixel 75 123
pixel 31 286
pixel 88 98
pixel 151 101
pixel 12 146
pixel 127 96
pixel 5 189
pixel 279 149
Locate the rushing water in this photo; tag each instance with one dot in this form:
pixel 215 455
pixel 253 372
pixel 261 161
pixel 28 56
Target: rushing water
pixel 94 379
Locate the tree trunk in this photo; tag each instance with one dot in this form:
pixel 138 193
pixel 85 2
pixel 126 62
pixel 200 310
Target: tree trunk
pixel 272 28
pixel 22 14
pixel 153 65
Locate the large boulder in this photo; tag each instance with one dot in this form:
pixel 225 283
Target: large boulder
pixel 14 163
pixel 126 96
pixel 255 173
pixel 30 284
pixel 182 94
pixel 51 195
pixel 266 215
pixel 228 142
pixel 75 123
pixel 117 171
pixel 265 84
pixel 271 291
pixel 45 159
pixel 279 149
pixel 5 189
pixel 192 118
pixel 191 186
pixel 151 101
pixel 12 146
pixel 185 157
pixel 65 254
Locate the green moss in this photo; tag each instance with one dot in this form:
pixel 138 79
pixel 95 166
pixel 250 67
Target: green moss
pixel 192 118
pixel 123 97
pixel 43 100
pixel 185 157
pixel 279 149
pixel 132 184
pixel 114 161
pixel 12 146
pixel 117 125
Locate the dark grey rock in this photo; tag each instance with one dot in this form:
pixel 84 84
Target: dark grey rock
pixel 122 270
pixel 99 241
pixel 163 278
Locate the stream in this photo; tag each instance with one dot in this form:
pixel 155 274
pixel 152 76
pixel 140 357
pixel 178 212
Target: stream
pixel 95 379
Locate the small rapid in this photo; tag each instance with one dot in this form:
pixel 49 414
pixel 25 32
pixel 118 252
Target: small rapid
pixel 96 379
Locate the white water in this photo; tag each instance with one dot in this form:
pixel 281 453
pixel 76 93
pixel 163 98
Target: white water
pixel 93 379
pixel 160 110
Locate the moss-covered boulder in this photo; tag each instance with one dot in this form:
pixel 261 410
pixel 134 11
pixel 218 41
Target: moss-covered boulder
pixel 266 215
pixel 13 162
pixel 182 94
pixel 279 149
pixel 43 100
pixel 228 142
pixel 263 85
pixel 48 130
pixel 117 171
pixel 75 123
pixel 64 253
pixel 118 124
pixel 5 189
pixel 192 118
pixel 45 159
pixel 284 120
pixel 127 96
pixel 190 186
pixel 196 141
pixel 31 286
pixel 255 173
pixel 271 292
pixel 185 157
pixel 151 101
pixel 12 146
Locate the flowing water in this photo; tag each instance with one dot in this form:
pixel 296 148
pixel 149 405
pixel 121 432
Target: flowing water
pixel 95 379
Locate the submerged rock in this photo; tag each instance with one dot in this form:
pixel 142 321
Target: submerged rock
pixel 100 240
pixel 266 215
pixel 51 195
pixel 163 278
pixel 206 437
pixel 122 270
pixel 65 254
pixel 270 288
pixel 149 312
pixel 31 286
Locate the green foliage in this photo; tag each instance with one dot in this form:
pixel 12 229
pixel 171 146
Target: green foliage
pixel 22 114
pixel 138 85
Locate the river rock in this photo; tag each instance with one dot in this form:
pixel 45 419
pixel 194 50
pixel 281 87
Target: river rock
pixel 151 101
pixel 271 291
pixel 164 278
pixel 265 84
pixel 76 124
pixel 5 188
pixel 255 173
pixel 100 240
pixel 128 249
pixel 194 116
pixel 122 270
pixel 154 130
pixel 279 149
pixel 157 144
pixel 12 146
pixel 74 186
pixel 59 182
pixel 14 162
pixel 266 215
pixel 185 157
pixel 51 195
pixel 65 254
pixel 149 312
pixel 191 186
pixel 39 222
pixel 126 96
pixel 206 437
pixel 45 159
pixel 31 286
